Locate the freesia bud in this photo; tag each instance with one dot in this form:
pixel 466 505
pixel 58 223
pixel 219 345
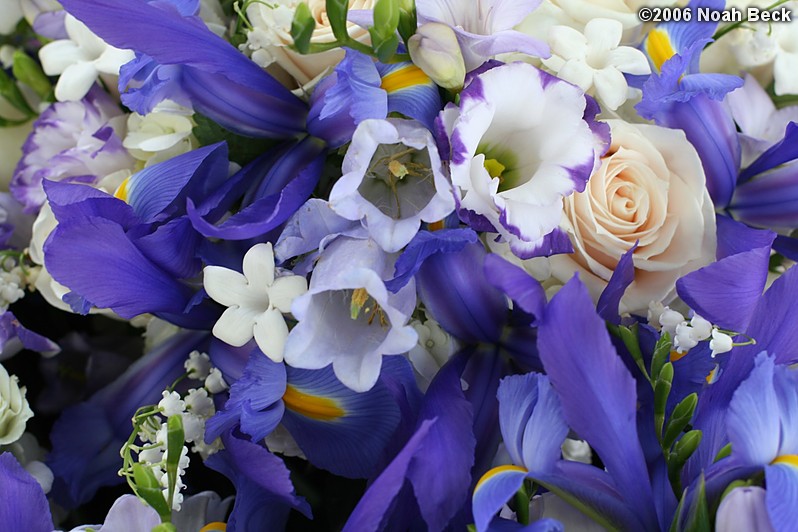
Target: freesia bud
pixel 743 509
pixel 434 49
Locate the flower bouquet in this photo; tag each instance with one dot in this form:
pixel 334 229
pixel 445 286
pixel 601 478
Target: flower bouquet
pixel 393 265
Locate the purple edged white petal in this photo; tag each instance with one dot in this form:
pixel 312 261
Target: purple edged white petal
pixel 520 141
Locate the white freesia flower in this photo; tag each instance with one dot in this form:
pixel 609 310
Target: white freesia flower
pixel 256 301
pixel 593 59
pixel 79 60
pixel 14 408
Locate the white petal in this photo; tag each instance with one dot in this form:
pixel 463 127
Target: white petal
pixel 112 59
pixel 578 73
pixel 611 87
pixel 259 264
pixel 603 34
pixel 58 55
pixel 235 326
pixel 227 287
pixel 271 333
pixel 75 82
pixel 567 42
pixel 285 289
pixel 630 60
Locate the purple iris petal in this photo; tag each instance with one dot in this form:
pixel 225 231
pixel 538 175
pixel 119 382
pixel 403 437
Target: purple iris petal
pixel 781 494
pixel 23 505
pixel 456 293
pixel 492 493
pixel 780 153
pixel 620 280
pixel 221 82
pixel 735 237
pixel 522 288
pixel 598 394
pixel 769 199
pixel 264 492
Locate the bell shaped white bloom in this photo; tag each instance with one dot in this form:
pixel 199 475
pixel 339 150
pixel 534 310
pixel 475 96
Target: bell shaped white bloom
pixel 720 343
pixel 79 60
pixel 256 301
pixel 593 59
pixel 14 408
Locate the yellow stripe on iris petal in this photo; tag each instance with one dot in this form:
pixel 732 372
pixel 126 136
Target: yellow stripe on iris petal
pixel 312 406
pixel 659 47
pixel 791 459
pixel 121 190
pixel 498 470
pixel 214 527
pixel 405 77
pixel 675 355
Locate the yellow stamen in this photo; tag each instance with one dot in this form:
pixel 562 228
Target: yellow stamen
pixel 216 526
pixel 359 298
pixel 791 459
pixel 659 47
pixel 312 406
pixel 494 168
pixel 121 190
pixel 403 78
pixel 398 169
pixel 496 470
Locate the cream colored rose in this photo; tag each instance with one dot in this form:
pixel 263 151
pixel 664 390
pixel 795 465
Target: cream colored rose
pixel 650 188
pixel 14 408
pixel 271 35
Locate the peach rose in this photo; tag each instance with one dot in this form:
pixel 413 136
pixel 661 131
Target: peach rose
pixel 650 188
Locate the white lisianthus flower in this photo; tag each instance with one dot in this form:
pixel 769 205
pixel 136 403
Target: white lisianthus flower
pixel 649 189
pixel 521 140
pixel 14 409
pixel 270 37
pixel 593 59
pixel 79 60
pixel 256 301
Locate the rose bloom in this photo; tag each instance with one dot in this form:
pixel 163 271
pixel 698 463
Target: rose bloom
pixel 271 35
pixel 650 188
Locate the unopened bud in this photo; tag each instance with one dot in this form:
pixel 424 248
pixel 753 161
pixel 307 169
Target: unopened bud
pixel 434 49
pixel 743 508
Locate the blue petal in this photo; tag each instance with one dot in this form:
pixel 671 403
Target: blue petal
pixel 424 245
pixel 735 237
pixel 211 68
pixel 458 296
pixel 339 430
pixel 23 505
pixel 73 203
pixel 598 395
pixel 532 425
pixel 264 492
pixel 173 247
pixel 783 151
pixel 769 199
pixel 707 290
pixel 622 277
pixel 96 259
pixel 254 400
pixel 781 496
pixel 374 508
pixel 493 490
pixel 525 291
pixel 410 92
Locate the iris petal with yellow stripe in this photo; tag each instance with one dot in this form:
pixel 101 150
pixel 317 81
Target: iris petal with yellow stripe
pixel 410 92
pixel 495 488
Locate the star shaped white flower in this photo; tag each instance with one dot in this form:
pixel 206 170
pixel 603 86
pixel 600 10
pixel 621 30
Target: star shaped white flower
pixel 256 301
pixel 593 59
pixel 79 60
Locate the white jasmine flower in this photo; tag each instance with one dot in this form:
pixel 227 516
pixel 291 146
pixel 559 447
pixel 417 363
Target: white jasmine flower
pixel 720 343
pixel 79 60
pixel 171 404
pixel 215 382
pixel 198 365
pixel 594 60
pixel 14 408
pixel 256 301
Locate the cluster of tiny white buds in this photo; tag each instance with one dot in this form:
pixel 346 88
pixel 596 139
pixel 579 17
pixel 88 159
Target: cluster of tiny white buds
pixel 12 282
pixel 198 365
pixel 687 335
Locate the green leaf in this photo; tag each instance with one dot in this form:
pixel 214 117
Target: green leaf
pixel 148 489
pixel 662 351
pixel 302 27
pixel 408 22
pixel 10 91
pixel 680 417
pixel 175 438
pixel 580 505
pixel 662 389
pixel 698 518
pixel 336 13
pixel 677 515
pixel 724 452
pixel 164 527
pixel 242 149
pixel 29 72
pixel 629 337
